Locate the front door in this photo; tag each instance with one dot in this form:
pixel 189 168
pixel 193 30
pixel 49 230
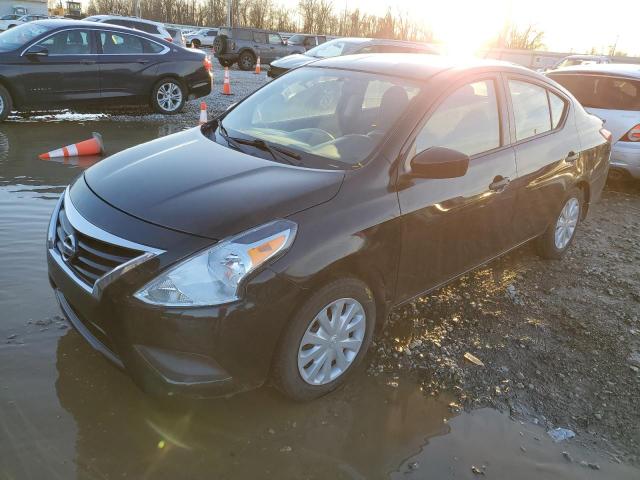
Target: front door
pixel 67 73
pixel 452 225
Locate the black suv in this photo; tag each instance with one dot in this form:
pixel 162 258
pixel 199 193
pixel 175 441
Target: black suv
pixel 245 45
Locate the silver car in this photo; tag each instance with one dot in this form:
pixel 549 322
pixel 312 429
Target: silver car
pixel 611 92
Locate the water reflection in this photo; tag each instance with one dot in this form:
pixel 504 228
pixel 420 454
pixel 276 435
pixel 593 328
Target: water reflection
pixel 363 431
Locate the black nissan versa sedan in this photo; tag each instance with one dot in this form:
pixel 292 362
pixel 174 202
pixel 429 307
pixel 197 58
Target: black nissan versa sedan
pixel 270 243
pixel 58 63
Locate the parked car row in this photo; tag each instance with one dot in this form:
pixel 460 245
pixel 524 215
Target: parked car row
pixel 54 63
pixel 13 20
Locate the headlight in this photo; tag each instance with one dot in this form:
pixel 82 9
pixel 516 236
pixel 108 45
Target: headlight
pixel 213 277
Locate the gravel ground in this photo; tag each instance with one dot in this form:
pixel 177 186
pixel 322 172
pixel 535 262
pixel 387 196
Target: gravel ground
pixel 559 340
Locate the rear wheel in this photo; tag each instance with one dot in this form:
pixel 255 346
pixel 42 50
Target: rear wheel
pixel 168 96
pixel 326 339
pixel 247 61
pixel 225 63
pixel 195 43
pixel 558 237
pixel 6 104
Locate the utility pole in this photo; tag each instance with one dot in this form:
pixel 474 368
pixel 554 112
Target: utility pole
pixel 229 13
pixel 136 7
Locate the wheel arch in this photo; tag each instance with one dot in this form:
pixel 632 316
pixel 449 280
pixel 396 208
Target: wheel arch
pixel 15 98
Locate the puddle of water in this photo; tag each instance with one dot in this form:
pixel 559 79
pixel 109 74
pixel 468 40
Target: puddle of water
pixel 66 413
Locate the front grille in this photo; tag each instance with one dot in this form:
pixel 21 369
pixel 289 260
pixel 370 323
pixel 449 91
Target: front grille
pixel 93 258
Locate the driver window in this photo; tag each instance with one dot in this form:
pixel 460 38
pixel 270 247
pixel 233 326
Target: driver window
pixel 466 121
pixel 69 42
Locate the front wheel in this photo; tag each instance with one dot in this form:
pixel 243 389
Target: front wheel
pixel 196 43
pixel 5 103
pixel 558 237
pixel 325 340
pixel 168 96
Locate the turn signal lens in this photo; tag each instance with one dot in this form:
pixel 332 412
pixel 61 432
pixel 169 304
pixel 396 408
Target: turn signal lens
pixel 632 135
pixel 214 276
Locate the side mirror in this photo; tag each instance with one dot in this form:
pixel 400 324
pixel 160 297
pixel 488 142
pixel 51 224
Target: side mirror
pixel 37 51
pixel 439 162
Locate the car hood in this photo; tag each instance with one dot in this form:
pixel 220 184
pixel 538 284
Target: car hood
pixel 192 184
pixel 293 61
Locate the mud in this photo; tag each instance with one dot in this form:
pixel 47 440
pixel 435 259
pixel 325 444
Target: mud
pixel 559 340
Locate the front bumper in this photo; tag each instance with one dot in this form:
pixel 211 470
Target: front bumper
pixel 626 156
pixel 198 352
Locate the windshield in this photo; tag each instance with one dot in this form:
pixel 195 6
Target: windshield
pixel 17 36
pixel 326 118
pixel 334 48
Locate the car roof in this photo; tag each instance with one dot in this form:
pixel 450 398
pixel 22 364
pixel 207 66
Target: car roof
pixel 624 69
pixel 63 22
pixel 124 17
pixel 417 66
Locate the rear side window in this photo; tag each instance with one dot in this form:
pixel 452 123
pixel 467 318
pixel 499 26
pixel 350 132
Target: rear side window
pixel 122 44
pixel 558 106
pixel 467 121
pixel 530 109
pixel 599 91
pixel 259 37
pixel 274 39
pixel 146 27
pixel 243 35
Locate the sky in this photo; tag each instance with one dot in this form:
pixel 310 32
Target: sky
pixel 569 25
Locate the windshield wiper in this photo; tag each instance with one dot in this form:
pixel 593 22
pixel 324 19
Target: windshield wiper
pixel 278 153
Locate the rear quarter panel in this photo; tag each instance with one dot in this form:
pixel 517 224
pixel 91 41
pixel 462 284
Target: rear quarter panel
pixel 596 151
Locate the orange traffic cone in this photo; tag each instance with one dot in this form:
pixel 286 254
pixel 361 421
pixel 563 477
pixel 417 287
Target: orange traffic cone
pixel 226 86
pixel 93 146
pixel 257 72
pixel 203 113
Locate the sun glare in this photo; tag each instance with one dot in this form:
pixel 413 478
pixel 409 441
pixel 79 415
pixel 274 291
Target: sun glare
pixel 464 26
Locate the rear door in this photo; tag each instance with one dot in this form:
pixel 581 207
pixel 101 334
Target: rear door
pixel 452 225
pixel 614 99
pixel 69 73
pixel 261 46
pixel 127 64
pixel 547 149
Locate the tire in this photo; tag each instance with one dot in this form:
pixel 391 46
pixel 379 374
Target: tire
pixel 10 26
pixel 168 86
pixel 557 239
pixel 220 44
pixel 195 43
pixel 225 63
pixel 6 104
pixel 289 362
pixel 247 61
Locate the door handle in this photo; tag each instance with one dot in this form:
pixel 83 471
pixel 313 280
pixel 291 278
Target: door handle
pixel 499 183
pixel 143 60
pixel 572 157
pixel 89 62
